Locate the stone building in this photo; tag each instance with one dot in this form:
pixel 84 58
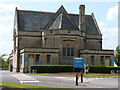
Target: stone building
pixel 42 38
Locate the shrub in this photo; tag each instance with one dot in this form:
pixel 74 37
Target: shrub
pixel 69 68
pixel 52 68
pixel 102 69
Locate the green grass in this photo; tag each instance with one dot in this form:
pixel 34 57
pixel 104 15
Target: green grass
pixel 73 74
pixel 29 87
pixel 101 75
pixel 49 74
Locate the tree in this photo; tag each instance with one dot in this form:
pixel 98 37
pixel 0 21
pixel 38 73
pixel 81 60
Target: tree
pixel 117 56
pixel 4 62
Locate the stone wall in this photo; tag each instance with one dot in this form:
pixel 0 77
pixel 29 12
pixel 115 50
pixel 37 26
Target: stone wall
pixel 92 44
pixel 29 39
pixel 97 54
pixel 52 42
pixel 31 53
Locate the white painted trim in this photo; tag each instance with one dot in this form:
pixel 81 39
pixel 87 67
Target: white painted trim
pixel 27 81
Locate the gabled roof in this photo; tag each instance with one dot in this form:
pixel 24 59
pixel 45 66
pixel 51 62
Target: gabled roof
pixel 36 21
pixel 61 20
pixel 90 25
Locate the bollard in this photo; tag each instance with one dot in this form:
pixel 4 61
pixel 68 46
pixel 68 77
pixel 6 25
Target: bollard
pixel 82 77
pixel 77 79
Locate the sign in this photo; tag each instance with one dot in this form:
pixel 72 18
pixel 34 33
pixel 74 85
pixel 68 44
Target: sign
pixel 25 59
pixel 77 63
pixel 112 61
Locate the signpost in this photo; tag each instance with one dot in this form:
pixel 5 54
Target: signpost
pixel 78 63
pixel 112 61
pixel 25 59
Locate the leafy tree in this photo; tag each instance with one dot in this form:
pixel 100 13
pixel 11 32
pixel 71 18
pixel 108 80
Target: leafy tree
pixel 117 56
pixel 3 62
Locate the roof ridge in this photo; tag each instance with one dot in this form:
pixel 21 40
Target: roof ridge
pixel 35 11
pixel 46 12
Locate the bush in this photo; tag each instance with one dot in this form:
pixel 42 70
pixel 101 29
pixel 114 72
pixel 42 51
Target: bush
pixel 69 68
pixel 102 69
pixel 52 68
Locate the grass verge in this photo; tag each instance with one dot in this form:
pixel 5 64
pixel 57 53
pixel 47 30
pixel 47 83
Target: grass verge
pixel 73 74
pixel 30 87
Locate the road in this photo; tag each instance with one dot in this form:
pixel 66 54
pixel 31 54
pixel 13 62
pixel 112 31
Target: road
pixel 55 81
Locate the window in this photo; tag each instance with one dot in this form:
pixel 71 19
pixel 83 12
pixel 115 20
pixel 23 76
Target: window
pixel 92 60
pixel 72 51
pixel 48 59
pixel 64 51
pixel 37 59
pixel 51 31
pixel 84 43
pixel 68 51
pixel 30 56
pixel 68 31
pixel 102 60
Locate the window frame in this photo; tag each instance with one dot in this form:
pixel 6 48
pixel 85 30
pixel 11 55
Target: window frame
pixel 72 52
pixel 92 60
pixel 37 59
pixel 68 51
pixel 48 59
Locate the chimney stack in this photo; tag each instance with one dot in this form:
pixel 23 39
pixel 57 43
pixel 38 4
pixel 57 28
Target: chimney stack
pixel 82 18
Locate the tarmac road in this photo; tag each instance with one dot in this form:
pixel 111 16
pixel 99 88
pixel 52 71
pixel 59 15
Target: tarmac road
pixel 7 77
pixel 63 82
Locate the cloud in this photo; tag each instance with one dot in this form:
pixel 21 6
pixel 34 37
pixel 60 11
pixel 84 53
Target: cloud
pixel 110 40
pixel 102 24
pixel 112 14
pixel 7 12
pixel 109 35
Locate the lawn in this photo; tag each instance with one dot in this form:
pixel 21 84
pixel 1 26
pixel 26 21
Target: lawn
pixel 29 87
pixel 73 74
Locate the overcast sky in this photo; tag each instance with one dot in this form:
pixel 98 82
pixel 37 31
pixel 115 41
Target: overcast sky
pixel 106 14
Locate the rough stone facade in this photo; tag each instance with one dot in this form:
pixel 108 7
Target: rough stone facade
pixel 42 38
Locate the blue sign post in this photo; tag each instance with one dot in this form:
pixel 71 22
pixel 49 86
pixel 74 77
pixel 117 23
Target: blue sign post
pixel 25 59
pixel 112 61
pixel 78 63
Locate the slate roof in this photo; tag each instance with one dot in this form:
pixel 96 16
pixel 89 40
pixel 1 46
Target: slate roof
pixel 36 21
pixel 61 20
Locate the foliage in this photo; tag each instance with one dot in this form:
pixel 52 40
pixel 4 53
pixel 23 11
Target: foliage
pixel 117 56
pixel 69 68
pixel 102 69
pixel 51 68
pixel 73 74
pixel 25 86
pixel 4 62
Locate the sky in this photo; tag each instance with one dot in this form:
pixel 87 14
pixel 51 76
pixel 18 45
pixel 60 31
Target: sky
pixel 106 14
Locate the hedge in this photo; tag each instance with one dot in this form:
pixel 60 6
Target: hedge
pixel 69 68
pixel 102 69
pixel 51 68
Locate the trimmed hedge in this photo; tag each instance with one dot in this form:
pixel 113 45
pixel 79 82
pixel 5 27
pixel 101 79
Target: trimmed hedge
pixel 69 68
pixel 52 68
pixel 102 69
